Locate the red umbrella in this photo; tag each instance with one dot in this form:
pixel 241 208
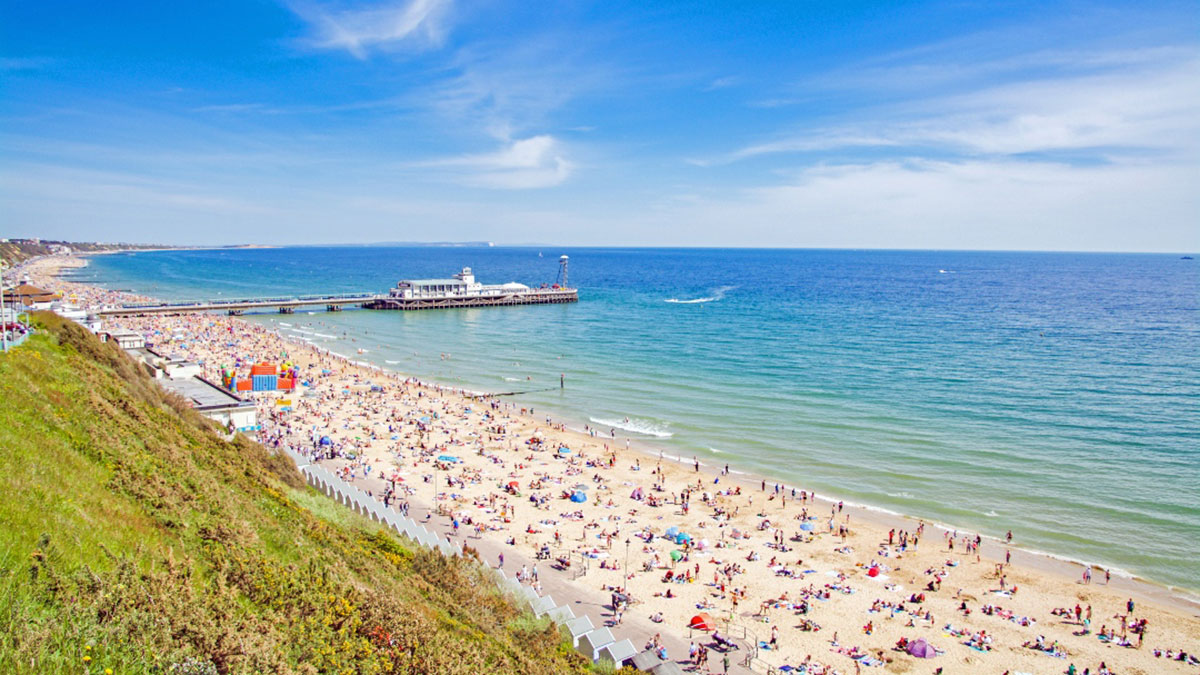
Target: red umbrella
pixel 514 484
pixel 703 621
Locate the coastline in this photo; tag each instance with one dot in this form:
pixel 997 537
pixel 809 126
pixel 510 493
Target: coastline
pixel 1067 568
pixel 1028 563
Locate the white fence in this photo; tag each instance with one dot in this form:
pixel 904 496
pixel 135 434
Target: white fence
pixel 594 643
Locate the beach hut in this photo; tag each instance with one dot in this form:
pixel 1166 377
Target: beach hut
pixel 703 621
pixel 645 661
pixel 561 614
pixel 667 668
pixel 591 643
pixel 576 628
pixel 618 652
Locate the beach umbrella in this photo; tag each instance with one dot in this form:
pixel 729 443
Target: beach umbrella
pixel 921 649
pixel 873 572
pixel 807 527
pixel 578 497
pixel 703 544
pixel 513 484
pixel 672 532
pixel 682 537
pixel 703 621
pixel 325 440
pixel 676 555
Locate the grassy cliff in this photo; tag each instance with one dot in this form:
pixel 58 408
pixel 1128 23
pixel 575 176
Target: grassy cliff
pixel 134 538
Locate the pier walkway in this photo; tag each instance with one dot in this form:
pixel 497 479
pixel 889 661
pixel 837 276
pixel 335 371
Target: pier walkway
pixel 333 303
pixel 330 302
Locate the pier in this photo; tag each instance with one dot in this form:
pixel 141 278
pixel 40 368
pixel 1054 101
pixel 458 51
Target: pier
pixel 460 291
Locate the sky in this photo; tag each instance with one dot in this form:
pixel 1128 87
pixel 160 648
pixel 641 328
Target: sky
pixel 1044 125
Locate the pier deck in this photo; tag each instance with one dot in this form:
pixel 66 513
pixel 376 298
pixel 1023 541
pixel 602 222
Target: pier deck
pixel 540 296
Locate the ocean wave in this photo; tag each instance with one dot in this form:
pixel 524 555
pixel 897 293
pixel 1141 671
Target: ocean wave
pixel 716 450
pixel 390 362
pixel 901 495
pixel 991 514
pixel 287 325
pixel 331 337
pixel 636 426
pixel 718 294
pixel 512 379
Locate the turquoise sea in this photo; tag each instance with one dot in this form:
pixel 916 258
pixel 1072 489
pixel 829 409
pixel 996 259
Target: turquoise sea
pixel 1053 394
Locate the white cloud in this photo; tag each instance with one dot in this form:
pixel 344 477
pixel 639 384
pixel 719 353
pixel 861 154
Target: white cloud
pixel 411 23
pixel 977 204
pixel 1138 105
pixel 535 162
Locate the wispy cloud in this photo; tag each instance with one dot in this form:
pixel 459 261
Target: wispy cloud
pixel 1136 104
pixel 415 23
pixel 535 162
pixel 24 62
pixel 720 83
pixel 976 204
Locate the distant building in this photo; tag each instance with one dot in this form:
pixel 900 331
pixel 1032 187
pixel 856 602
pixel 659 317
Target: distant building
pixel 29 296
pixel 125 339
pixel 215 402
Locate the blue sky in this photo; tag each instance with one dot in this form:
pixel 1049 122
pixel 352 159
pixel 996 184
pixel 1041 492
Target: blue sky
pixel 978 125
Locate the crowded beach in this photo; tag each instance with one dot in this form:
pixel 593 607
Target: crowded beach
pixel 731 564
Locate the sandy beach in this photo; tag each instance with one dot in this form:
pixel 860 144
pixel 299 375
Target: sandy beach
pixel 805 579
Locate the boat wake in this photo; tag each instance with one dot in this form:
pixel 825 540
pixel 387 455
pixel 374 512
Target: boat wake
pixel 718 294
pixel 636 426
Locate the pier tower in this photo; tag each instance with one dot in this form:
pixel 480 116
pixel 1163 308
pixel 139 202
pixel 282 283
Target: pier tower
pixel 562 271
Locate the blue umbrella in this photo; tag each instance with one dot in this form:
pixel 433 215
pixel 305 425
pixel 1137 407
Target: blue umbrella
pixel 325 440
pixel 672 532
pixel 578 497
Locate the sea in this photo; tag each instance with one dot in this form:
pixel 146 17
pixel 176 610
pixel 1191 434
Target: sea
pixel 1056 395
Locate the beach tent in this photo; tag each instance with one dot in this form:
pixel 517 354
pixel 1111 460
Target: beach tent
pixel 672 532
pixel 578 497
pixel 703 621
pixel 637 493
pixel 807 527
pixel 325 440
pixel 921 649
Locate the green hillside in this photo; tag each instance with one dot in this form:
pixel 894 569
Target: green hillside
pixel 134 538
